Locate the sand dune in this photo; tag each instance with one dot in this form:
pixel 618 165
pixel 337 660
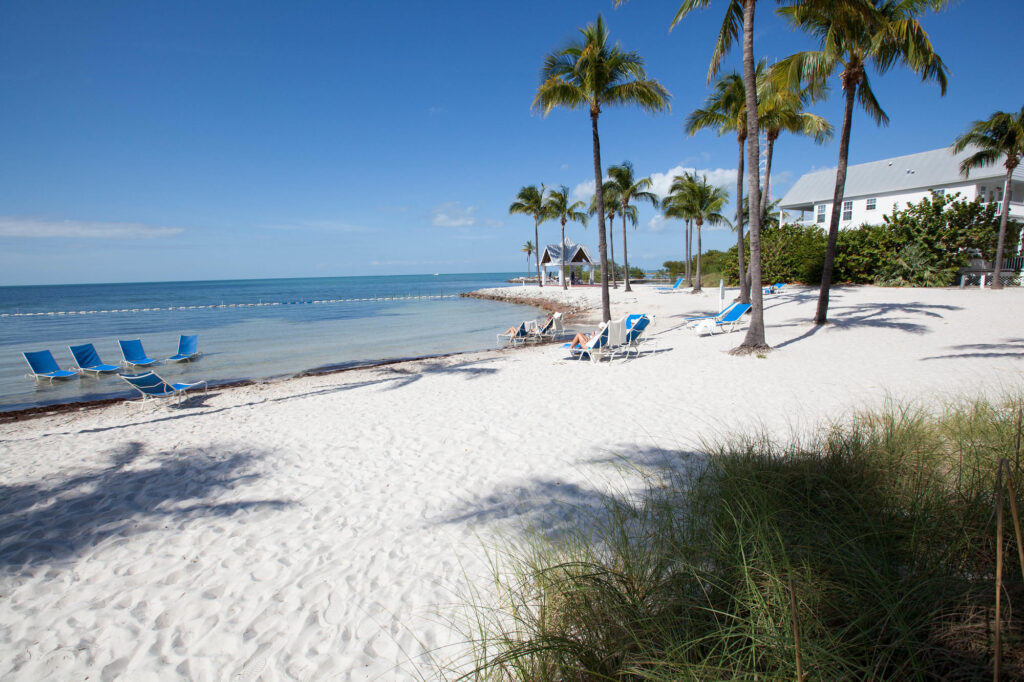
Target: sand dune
pixel 322 527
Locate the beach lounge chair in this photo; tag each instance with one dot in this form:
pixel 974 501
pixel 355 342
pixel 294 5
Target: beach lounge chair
pixel 519 336
pixel 133 354
pixel 636 332
pixel 88 360
pixel 594 348
pixel 725 323
pixel 151 386
pixel 550 330
pixel 774 288
pixel 674 287
pixel 692 321
pixel 43 366
pixel 188 349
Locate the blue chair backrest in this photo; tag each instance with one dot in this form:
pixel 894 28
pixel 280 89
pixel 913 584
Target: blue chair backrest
pixel 41 361
pixel 86 355
pixel 132 350
pixel 631 319
pixel 678 283
pixel 734 313
pixel 149 383
pixel 187 345
pixel 638 328
pixel 600 340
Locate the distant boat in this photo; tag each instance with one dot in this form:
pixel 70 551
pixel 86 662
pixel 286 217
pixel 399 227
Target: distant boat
pixel 436 275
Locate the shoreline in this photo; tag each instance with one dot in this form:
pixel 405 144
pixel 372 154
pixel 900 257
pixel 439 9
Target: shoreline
pixel 36 411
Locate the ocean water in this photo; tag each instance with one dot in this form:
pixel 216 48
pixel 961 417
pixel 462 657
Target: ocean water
pixel 248 329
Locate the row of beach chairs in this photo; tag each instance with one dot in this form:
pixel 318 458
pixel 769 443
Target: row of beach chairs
pixel 617 337
pixel 534 331
pixel 43 366
pixel 770 289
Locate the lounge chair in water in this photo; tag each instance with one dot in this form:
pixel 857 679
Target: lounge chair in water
pixel 151 386
pixel 43 366
pixel 674 287
pixel 188 349
pixel 133 354
pixel 726 321
pixel 88 360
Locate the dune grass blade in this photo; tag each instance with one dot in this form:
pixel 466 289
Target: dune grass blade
pixel 866 552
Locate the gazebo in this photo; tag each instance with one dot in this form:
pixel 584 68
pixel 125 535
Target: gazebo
pixel 576 255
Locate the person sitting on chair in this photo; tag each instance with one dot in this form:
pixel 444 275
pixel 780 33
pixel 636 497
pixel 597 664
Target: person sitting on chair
pixel 580 340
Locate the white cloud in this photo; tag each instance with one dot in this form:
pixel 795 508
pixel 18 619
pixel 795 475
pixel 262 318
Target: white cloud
pixel 452 214
pixel 658 223
pixel 584 190
pixel 721 177
pixel 79 229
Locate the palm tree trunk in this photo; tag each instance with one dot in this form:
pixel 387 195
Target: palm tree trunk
pixel 536 240
pixel 611 245
pixel 755 332
pixel 602 244
pixel 744 289
pixel 996 282
pixel 821 315
pixel 689 254
pixel 625 253
pixel 700 275
pixel 767 173
pixel 561 273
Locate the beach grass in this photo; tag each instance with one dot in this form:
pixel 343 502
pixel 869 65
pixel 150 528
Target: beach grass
pixel 867 551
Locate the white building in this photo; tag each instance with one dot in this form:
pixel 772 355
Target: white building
pixel 874 189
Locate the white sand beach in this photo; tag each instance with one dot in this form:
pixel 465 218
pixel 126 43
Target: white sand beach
pixel 324 527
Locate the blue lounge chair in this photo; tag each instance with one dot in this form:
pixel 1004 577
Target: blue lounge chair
pixel 133 354
pixel 88 360
pixel 679 283
pixel 43 366
pixel 691 320
pixel 636 332
pixel 726 322
pixel 774 288
pixel 594 348
pixel 188 349
pixel 151 386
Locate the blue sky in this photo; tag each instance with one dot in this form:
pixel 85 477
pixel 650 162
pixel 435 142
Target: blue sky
pixel 212 140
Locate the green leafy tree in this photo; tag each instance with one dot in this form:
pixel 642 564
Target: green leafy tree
pixel 853 34
pixel 558 207
pixel 530 201
pixel 693 197
pixel 589 73
pixel 1000 136
pixel 611 209
pixel 629 189
pixel 528 249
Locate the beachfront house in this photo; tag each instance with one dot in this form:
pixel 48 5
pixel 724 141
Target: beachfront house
pixel 576 256
pixel 873 189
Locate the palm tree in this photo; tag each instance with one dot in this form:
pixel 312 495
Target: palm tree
pixel 629 189
pixel 1002 134
pixel 725 109
pixel 611 206
pixel 528 249
pixel 853 34
pixel 530 201
pixel 593 74
pixel 694 198
pixel 557 207
pixel 739 19
pixel 781 109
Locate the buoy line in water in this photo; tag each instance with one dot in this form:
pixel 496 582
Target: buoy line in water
pixel 261 304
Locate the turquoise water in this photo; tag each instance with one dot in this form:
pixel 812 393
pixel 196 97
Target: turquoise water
pixel 248 329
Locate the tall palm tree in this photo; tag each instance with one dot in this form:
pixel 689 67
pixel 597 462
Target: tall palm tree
pixel 694 198
pixel 725 110
pixel 739 20
pixel 853 34
pixel 557 207
pixel 611 209
pixel 530 201
pixel 630 189
pixel 1000 135
pixel 590 73
pixel 781 108
pixel 528 249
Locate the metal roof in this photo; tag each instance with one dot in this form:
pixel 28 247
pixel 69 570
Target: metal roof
pixel 901 173
pixel 574 253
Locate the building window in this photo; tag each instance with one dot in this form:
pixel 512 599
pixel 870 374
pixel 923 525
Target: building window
pixel 821 213
pixel 847 210
pixel 981 194
pixel 940 192
pixel 870 204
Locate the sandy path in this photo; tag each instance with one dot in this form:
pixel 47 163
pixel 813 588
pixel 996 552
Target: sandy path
pixel 315 528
